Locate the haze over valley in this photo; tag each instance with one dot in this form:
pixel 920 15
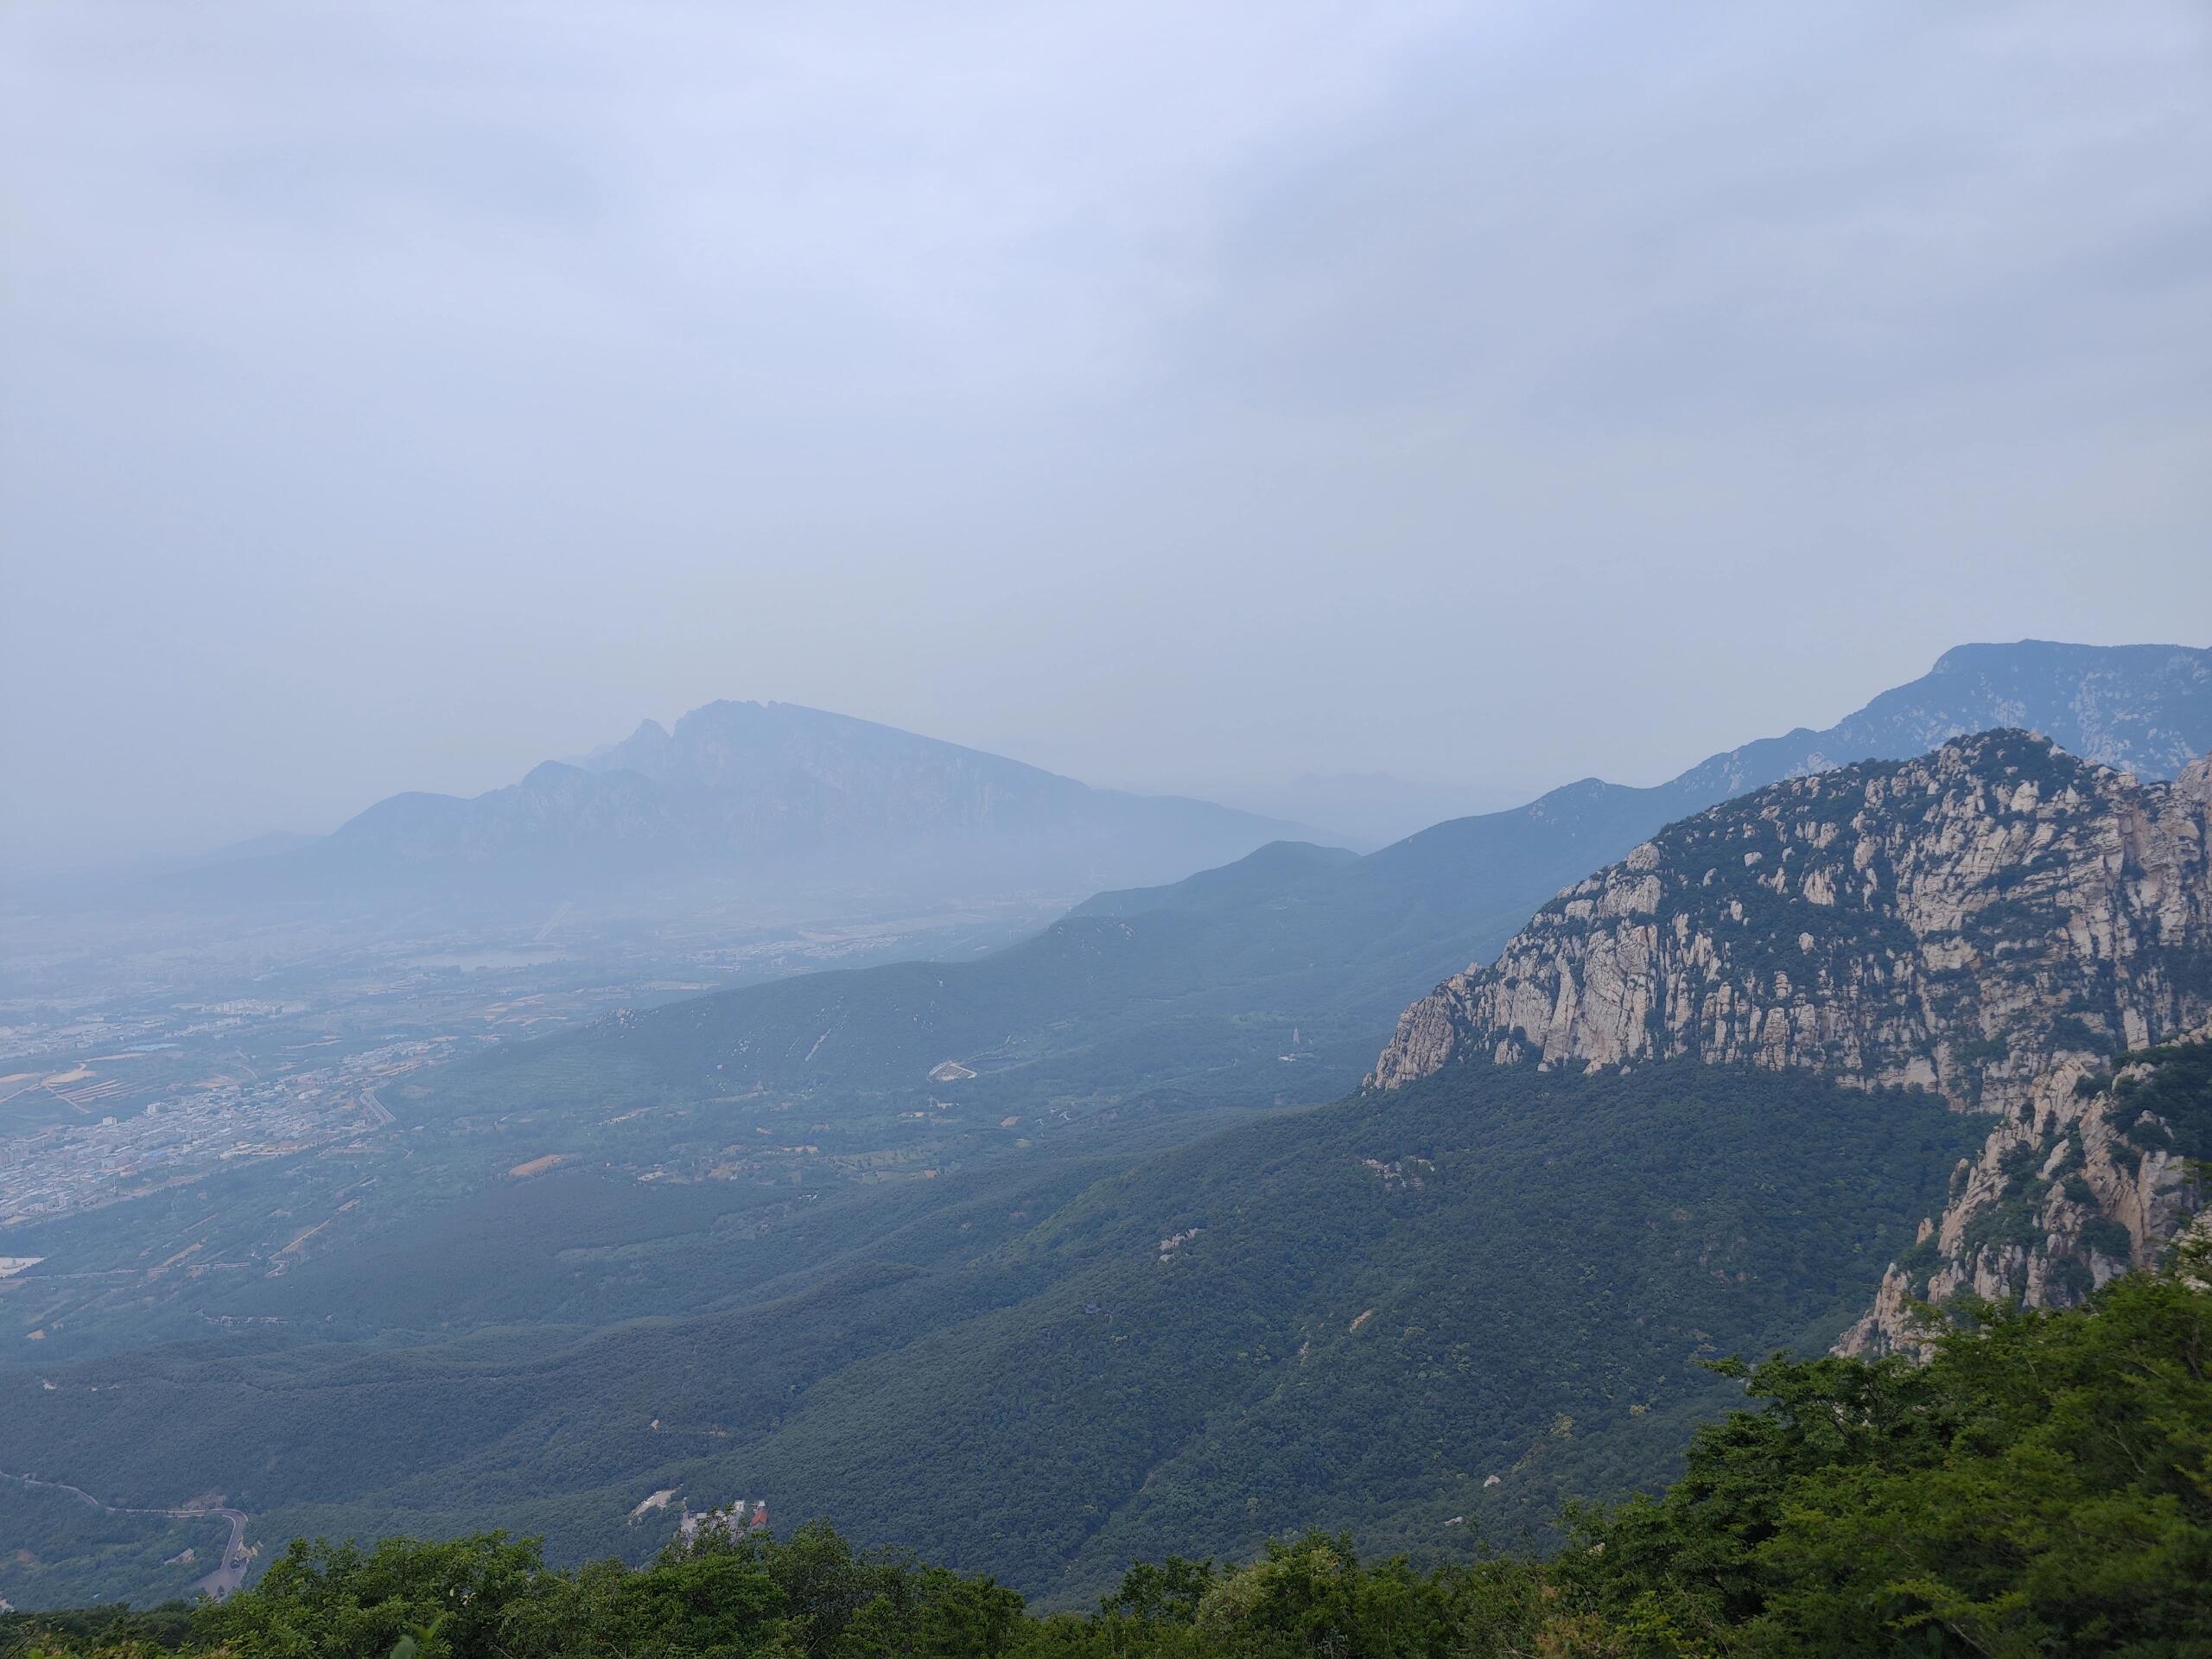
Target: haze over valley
pixel 1105 833
pixel 877 1121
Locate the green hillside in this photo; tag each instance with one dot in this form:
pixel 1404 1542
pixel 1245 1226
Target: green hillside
pixel 1272 981
pixel 1374 1307
pixel 2039 1486
pixel 61 1550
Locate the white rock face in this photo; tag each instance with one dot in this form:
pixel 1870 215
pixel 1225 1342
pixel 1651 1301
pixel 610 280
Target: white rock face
pixel 1951 916
pixel 1984 921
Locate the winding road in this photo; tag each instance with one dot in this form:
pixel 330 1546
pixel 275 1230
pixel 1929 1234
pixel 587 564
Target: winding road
pixel 230 1572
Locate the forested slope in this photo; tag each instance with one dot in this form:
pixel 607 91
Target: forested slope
pixel 1363 1314
pixel 2044 1485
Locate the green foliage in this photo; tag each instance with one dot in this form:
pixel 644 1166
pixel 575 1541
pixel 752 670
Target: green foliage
pixel 57 1550
pixel 2072 1276
pixel 2069 1032
pixel 114 1630
pixel 2108 1237
pixel 337 1601
pixel 2177 1094
pixel 2042 1485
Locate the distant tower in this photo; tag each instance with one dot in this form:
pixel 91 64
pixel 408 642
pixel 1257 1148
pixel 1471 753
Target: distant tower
pixel 761 1515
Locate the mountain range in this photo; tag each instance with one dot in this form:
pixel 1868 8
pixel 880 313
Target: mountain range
pixel 1695 1105
pixel 1277 975
pixel 1708 1101
pixel 1026 1260
pixel 769 797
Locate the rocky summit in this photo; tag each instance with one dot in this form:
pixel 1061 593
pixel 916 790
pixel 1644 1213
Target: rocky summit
pixel 1993 921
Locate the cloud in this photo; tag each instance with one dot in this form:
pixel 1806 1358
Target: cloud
pixel 400 394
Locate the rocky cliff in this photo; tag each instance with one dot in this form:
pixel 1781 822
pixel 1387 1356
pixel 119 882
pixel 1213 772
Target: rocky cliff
pixel 2060 1200
pixel 1991 921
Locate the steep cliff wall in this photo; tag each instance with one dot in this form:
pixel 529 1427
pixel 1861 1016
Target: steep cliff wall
pixel 1991 921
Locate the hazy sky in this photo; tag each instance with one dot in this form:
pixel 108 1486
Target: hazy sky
pixel 1181 395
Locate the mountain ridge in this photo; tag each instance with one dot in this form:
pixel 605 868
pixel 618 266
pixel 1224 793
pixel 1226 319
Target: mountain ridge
pixel 1992 922
pixel 776 772
pixel 1635 994
pixel 1219 971
pixel 761 794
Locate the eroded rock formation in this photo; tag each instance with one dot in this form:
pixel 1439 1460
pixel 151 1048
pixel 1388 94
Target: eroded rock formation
pixel 1991 921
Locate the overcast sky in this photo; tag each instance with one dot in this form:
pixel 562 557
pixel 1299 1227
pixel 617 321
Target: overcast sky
pixel 396 395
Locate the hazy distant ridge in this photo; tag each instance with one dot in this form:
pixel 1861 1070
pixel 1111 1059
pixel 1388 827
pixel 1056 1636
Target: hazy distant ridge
pixel 2141 709
pixel 745 787
pixel 1163 986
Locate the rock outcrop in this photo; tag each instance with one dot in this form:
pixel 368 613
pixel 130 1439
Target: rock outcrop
pixel 2059 1200
pixel 1991 921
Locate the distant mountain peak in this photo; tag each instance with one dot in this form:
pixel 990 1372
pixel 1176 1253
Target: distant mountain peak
pixel 747 787
pixel 2143 708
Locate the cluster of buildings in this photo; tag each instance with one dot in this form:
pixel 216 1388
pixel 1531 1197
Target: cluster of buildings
pixel 142 1029
pixel 100 1144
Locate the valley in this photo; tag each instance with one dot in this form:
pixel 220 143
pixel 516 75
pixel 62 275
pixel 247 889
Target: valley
pixel 1105 832
pixel 177 1112
pixel 1096 1240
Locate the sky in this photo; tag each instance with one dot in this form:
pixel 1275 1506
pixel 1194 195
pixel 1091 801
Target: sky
pixel 393 395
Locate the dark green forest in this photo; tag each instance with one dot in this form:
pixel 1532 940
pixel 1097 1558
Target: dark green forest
pixel 1424 1318
pixel 2042 1485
